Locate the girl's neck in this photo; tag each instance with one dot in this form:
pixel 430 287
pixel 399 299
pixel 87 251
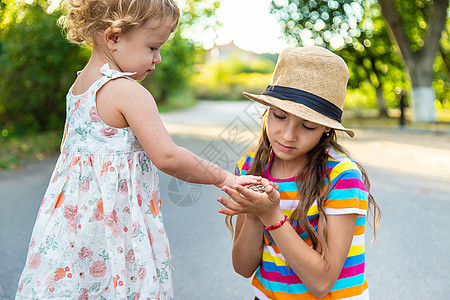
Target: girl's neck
pixel 91 72
pixel 101 56
pixel 282 169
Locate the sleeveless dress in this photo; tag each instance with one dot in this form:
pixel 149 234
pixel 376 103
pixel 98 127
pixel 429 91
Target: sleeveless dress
pixel 99 232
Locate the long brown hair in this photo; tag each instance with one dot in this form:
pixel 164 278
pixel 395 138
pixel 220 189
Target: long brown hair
pixel 311 186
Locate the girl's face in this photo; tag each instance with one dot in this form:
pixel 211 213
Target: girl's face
pixel 292 137
pixel 138 50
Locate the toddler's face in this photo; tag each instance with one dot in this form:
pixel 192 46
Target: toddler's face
pixel 290 136
pixel 138 50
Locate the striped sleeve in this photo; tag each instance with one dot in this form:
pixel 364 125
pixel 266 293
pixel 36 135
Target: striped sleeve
pixel 244 163
pixel 348 194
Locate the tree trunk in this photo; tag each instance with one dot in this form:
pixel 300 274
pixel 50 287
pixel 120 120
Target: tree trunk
pixel 422 104
pixel 381 101
pixel 419 63
pixel 382 105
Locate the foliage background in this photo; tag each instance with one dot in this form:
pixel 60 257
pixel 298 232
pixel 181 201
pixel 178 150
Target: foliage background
pixel 38 65
pixel 37 68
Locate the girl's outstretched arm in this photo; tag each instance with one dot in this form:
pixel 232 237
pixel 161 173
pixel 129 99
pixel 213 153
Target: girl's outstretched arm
pixel 307 263
pixel 130 104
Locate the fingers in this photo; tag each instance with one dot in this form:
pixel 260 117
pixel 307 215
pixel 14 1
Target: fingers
pixel 246 192
pixel 237 197
pixel 228 212
pixel 265 181
pixel 273 193
pixel 231 208
pixel 229 204
pixel 248 179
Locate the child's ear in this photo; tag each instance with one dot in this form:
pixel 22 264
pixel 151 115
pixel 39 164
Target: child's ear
pixel 111 38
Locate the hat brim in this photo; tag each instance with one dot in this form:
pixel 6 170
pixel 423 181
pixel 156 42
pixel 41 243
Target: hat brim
pixel 300 111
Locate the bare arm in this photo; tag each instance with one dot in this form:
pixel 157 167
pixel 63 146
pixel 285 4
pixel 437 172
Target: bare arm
pixel 248 245
pixel 307 263
pixel 130 104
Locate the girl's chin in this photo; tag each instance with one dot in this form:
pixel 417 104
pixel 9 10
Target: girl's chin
pixel 140 77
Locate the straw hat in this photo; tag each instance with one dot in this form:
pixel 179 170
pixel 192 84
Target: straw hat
pixel 310 83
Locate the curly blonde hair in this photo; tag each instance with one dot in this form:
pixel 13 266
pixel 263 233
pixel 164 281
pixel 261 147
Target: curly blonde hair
pixel 84 19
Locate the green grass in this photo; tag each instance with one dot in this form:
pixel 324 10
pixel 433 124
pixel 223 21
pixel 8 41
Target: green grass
pixel 16 151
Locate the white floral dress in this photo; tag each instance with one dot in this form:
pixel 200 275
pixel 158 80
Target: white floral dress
pixel 99 233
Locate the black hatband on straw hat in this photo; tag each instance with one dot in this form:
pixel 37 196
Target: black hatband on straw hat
pixel 312 101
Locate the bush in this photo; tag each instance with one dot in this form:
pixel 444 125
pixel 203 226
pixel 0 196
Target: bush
pixel 227 79
pixel 38 67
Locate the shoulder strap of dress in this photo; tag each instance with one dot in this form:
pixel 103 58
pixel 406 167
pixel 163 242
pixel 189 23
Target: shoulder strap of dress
pixel 110 74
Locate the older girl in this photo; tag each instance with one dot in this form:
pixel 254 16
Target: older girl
pixel 306 239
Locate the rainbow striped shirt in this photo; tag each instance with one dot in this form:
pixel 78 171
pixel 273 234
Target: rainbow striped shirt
pixel 348 195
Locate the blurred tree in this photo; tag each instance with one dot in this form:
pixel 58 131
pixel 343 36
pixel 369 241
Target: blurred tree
pixel 441 83
pixel 184 49
pixel 353 29
pixel 416 27
pixel 37 68
pixel 356 31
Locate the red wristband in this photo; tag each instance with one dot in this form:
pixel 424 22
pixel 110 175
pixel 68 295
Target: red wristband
pixel 276 225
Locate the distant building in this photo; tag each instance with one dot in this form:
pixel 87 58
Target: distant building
pixel 223 52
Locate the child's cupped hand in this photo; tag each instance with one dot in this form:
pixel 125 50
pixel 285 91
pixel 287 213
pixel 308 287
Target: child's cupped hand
pixel 247 201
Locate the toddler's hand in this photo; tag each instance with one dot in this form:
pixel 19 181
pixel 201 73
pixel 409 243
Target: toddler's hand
pixel 249 201
pixel 232 180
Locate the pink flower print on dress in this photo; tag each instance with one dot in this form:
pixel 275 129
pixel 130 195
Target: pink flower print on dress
pixel 142 272
pixel 98 269
pixel 115 230
pixel 108 132
pixel 83 98
pixel 155 196
pixel 167 252
pixel 98 215
pixel 94 115
pixel 135 296
pixel 111 221
pixel 134 229
pixel 150 238
pixel 85 253
pixel 123 187
pixel 85 184
pixel 130 163
pixel 130 258
pixel 35 261
pixel 84 294
pixel 20 286
pixel 111 218
pixel 70 213
pixel 50 283
pixel 139 199
pixel 55 177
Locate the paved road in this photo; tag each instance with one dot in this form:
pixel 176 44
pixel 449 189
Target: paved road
pixel 410 180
